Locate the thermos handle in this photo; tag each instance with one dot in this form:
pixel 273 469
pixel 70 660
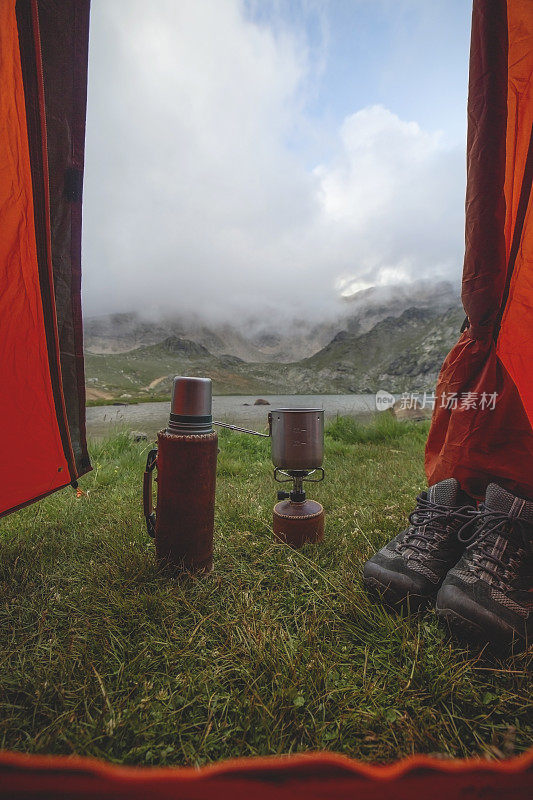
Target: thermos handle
pixel 149 513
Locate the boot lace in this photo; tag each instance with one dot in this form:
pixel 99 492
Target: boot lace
pixel 480 544
pixel 431 523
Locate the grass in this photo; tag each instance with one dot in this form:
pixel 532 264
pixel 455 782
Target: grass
pixel 279 651
pixel 381 429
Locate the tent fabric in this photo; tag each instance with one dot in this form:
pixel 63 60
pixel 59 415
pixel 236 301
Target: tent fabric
pixel 314 776
pixel 515 342
pixel 42 400
pixel 64 34
pixel 482 423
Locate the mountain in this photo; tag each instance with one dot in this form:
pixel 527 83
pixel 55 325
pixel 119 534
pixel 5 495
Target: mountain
pixel 267 342
pixel 402 353
pixel 399 353
pixel 120 333
pixel 146 373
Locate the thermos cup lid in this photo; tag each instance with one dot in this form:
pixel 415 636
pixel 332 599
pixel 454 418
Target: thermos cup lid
pixel 190 409
pixel 191 396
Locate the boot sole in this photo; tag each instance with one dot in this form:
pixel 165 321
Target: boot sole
pixel 461 627
pixel 473 623
pixel 393 589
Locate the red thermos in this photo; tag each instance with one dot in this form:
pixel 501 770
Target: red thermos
pixel 186 462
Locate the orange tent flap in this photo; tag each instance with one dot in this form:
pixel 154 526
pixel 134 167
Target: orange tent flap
pixel 34 461
pixel 43 80
pixel 311 776
pixel 493 360
pixel 515 343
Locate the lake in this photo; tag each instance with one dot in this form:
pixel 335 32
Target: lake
pixel 149 418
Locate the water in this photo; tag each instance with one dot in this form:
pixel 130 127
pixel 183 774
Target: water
pixel 149 418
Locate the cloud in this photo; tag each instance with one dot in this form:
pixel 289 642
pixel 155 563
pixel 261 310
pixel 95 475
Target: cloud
pixel 198 199
pixel 393 199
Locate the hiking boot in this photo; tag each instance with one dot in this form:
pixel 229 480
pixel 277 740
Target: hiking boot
pixel 413 565
pixel 488 595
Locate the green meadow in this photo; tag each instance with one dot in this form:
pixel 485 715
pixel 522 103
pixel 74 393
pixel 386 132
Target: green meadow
pixel 278 651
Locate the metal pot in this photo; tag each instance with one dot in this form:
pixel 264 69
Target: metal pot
pixel 297 438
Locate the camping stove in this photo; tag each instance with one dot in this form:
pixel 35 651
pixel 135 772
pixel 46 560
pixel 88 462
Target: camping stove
pixel 297 455
pixel 297 436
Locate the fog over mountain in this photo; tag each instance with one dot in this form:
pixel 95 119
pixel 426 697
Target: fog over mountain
pixel 211 190
pixel 258 340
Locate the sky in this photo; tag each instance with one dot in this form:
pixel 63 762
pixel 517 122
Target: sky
pixel 266 159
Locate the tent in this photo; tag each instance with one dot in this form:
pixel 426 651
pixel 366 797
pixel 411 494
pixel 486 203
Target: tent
pixel 43 85
pixel 43 79
pixel 482 425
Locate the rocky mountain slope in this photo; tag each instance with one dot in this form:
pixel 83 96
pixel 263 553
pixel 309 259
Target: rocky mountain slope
pixel 402 353
pixel 119 333
pixel 266 341
pixel 398 353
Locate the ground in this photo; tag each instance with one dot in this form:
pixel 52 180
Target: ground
pixel 278 651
